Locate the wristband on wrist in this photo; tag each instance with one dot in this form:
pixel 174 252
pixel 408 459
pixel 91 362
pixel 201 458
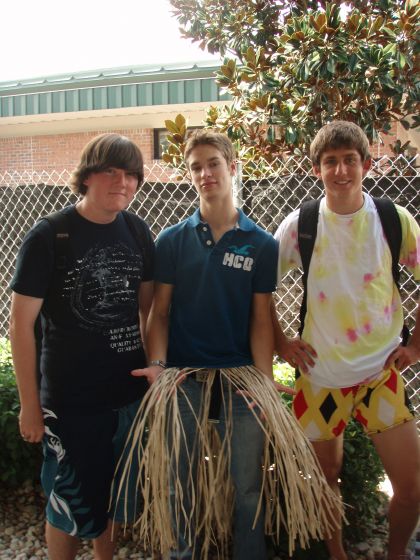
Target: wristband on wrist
pixel 157 363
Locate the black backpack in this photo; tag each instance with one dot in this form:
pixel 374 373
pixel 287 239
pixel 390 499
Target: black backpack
pixel 60 225
pixel 307 230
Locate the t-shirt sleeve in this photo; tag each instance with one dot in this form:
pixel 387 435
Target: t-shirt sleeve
pixel 165 265
pixel 34 263
pixel 287 239
pixel 410 246
pixel 264 280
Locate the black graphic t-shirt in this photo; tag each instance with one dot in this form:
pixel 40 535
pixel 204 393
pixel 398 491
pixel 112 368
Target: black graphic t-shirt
pixel 91 336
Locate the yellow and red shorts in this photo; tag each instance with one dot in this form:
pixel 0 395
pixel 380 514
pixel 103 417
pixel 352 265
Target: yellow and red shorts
pixel 378 405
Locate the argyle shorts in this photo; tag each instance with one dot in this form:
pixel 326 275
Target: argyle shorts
pixel 378 405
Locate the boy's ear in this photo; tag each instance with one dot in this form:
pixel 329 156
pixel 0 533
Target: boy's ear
pixel 233 168
pixel 366 166
pixel 316 170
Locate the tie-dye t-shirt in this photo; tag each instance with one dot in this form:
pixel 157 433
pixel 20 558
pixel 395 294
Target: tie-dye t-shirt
pixel 354 314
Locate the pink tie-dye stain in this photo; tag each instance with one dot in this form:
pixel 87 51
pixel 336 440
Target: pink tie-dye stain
pixel 322 297
pixel 352 335
pixel 368 277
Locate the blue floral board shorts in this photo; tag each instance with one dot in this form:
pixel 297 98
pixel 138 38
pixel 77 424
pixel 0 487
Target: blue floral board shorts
pixel 81 452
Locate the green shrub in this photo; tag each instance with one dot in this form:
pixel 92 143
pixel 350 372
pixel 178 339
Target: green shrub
pixel 19 460
pixel 362 473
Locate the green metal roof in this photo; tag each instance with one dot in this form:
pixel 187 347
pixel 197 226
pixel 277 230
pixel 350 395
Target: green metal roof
pixel 111 88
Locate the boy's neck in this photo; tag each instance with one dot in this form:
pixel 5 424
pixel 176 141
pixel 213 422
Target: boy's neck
pixel 221 216
pixel 344 205
pixel 93 214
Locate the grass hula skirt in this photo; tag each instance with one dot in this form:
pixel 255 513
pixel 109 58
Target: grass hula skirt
pixel 294 494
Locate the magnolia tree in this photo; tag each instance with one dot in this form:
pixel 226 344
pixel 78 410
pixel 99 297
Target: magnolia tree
pixel 292 66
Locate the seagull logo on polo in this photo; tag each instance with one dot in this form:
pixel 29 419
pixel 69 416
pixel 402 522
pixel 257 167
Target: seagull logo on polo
pixel 238 257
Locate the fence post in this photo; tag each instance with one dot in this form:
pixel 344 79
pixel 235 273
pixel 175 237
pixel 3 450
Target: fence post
pixel 238 187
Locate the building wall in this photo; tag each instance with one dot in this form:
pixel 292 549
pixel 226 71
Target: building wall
pixel 59 151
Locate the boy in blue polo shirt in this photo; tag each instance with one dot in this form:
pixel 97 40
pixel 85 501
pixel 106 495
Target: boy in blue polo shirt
pixel 210 321
pixel 215 274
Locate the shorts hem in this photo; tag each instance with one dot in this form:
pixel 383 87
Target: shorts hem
pixel 77 535
pixel 124 514
pixel 382 430
pixel 367 432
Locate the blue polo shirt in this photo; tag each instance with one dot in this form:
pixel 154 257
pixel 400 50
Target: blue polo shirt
pixel 213 287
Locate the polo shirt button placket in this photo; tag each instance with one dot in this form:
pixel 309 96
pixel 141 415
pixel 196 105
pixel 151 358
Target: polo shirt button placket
pixel 206 236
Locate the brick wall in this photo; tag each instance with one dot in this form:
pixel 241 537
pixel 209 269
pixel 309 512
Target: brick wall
pixel 61 151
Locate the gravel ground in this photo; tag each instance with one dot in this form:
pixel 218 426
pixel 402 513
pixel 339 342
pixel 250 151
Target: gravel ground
pixel 22 528
pixel 22 538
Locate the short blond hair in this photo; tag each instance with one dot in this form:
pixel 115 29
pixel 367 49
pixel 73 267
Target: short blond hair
pixel 210 137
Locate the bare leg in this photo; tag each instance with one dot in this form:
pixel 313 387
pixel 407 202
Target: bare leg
pixel 399 451
pixel 330 456
pixel 61 546
pixel 104 545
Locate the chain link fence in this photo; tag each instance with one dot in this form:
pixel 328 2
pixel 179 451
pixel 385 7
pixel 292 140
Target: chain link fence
pixel 267 198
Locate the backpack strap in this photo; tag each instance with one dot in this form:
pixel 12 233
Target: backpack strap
pixel 307 228
pixel 60 225
pixel 391 225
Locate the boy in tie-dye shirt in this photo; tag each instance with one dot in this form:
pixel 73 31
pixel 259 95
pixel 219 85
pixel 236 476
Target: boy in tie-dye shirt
pixel 350 357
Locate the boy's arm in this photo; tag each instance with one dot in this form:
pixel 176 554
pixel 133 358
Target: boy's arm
pixel 157 331
pixel 295 351
pixel 23 314
pixel 405 356
pixel 262 339
pixel 145 298
pixel 261 334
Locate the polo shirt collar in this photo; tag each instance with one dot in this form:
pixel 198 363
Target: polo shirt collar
pixel 244 222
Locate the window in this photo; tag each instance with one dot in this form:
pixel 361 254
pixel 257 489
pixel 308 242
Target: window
pixel 159 142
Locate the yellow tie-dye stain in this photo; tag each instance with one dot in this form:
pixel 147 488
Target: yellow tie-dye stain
pixel 358 237
pixel 344 313
pixel 323 268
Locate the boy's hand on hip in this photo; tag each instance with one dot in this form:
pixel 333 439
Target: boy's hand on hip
pixel 403 357
pixel 297 353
